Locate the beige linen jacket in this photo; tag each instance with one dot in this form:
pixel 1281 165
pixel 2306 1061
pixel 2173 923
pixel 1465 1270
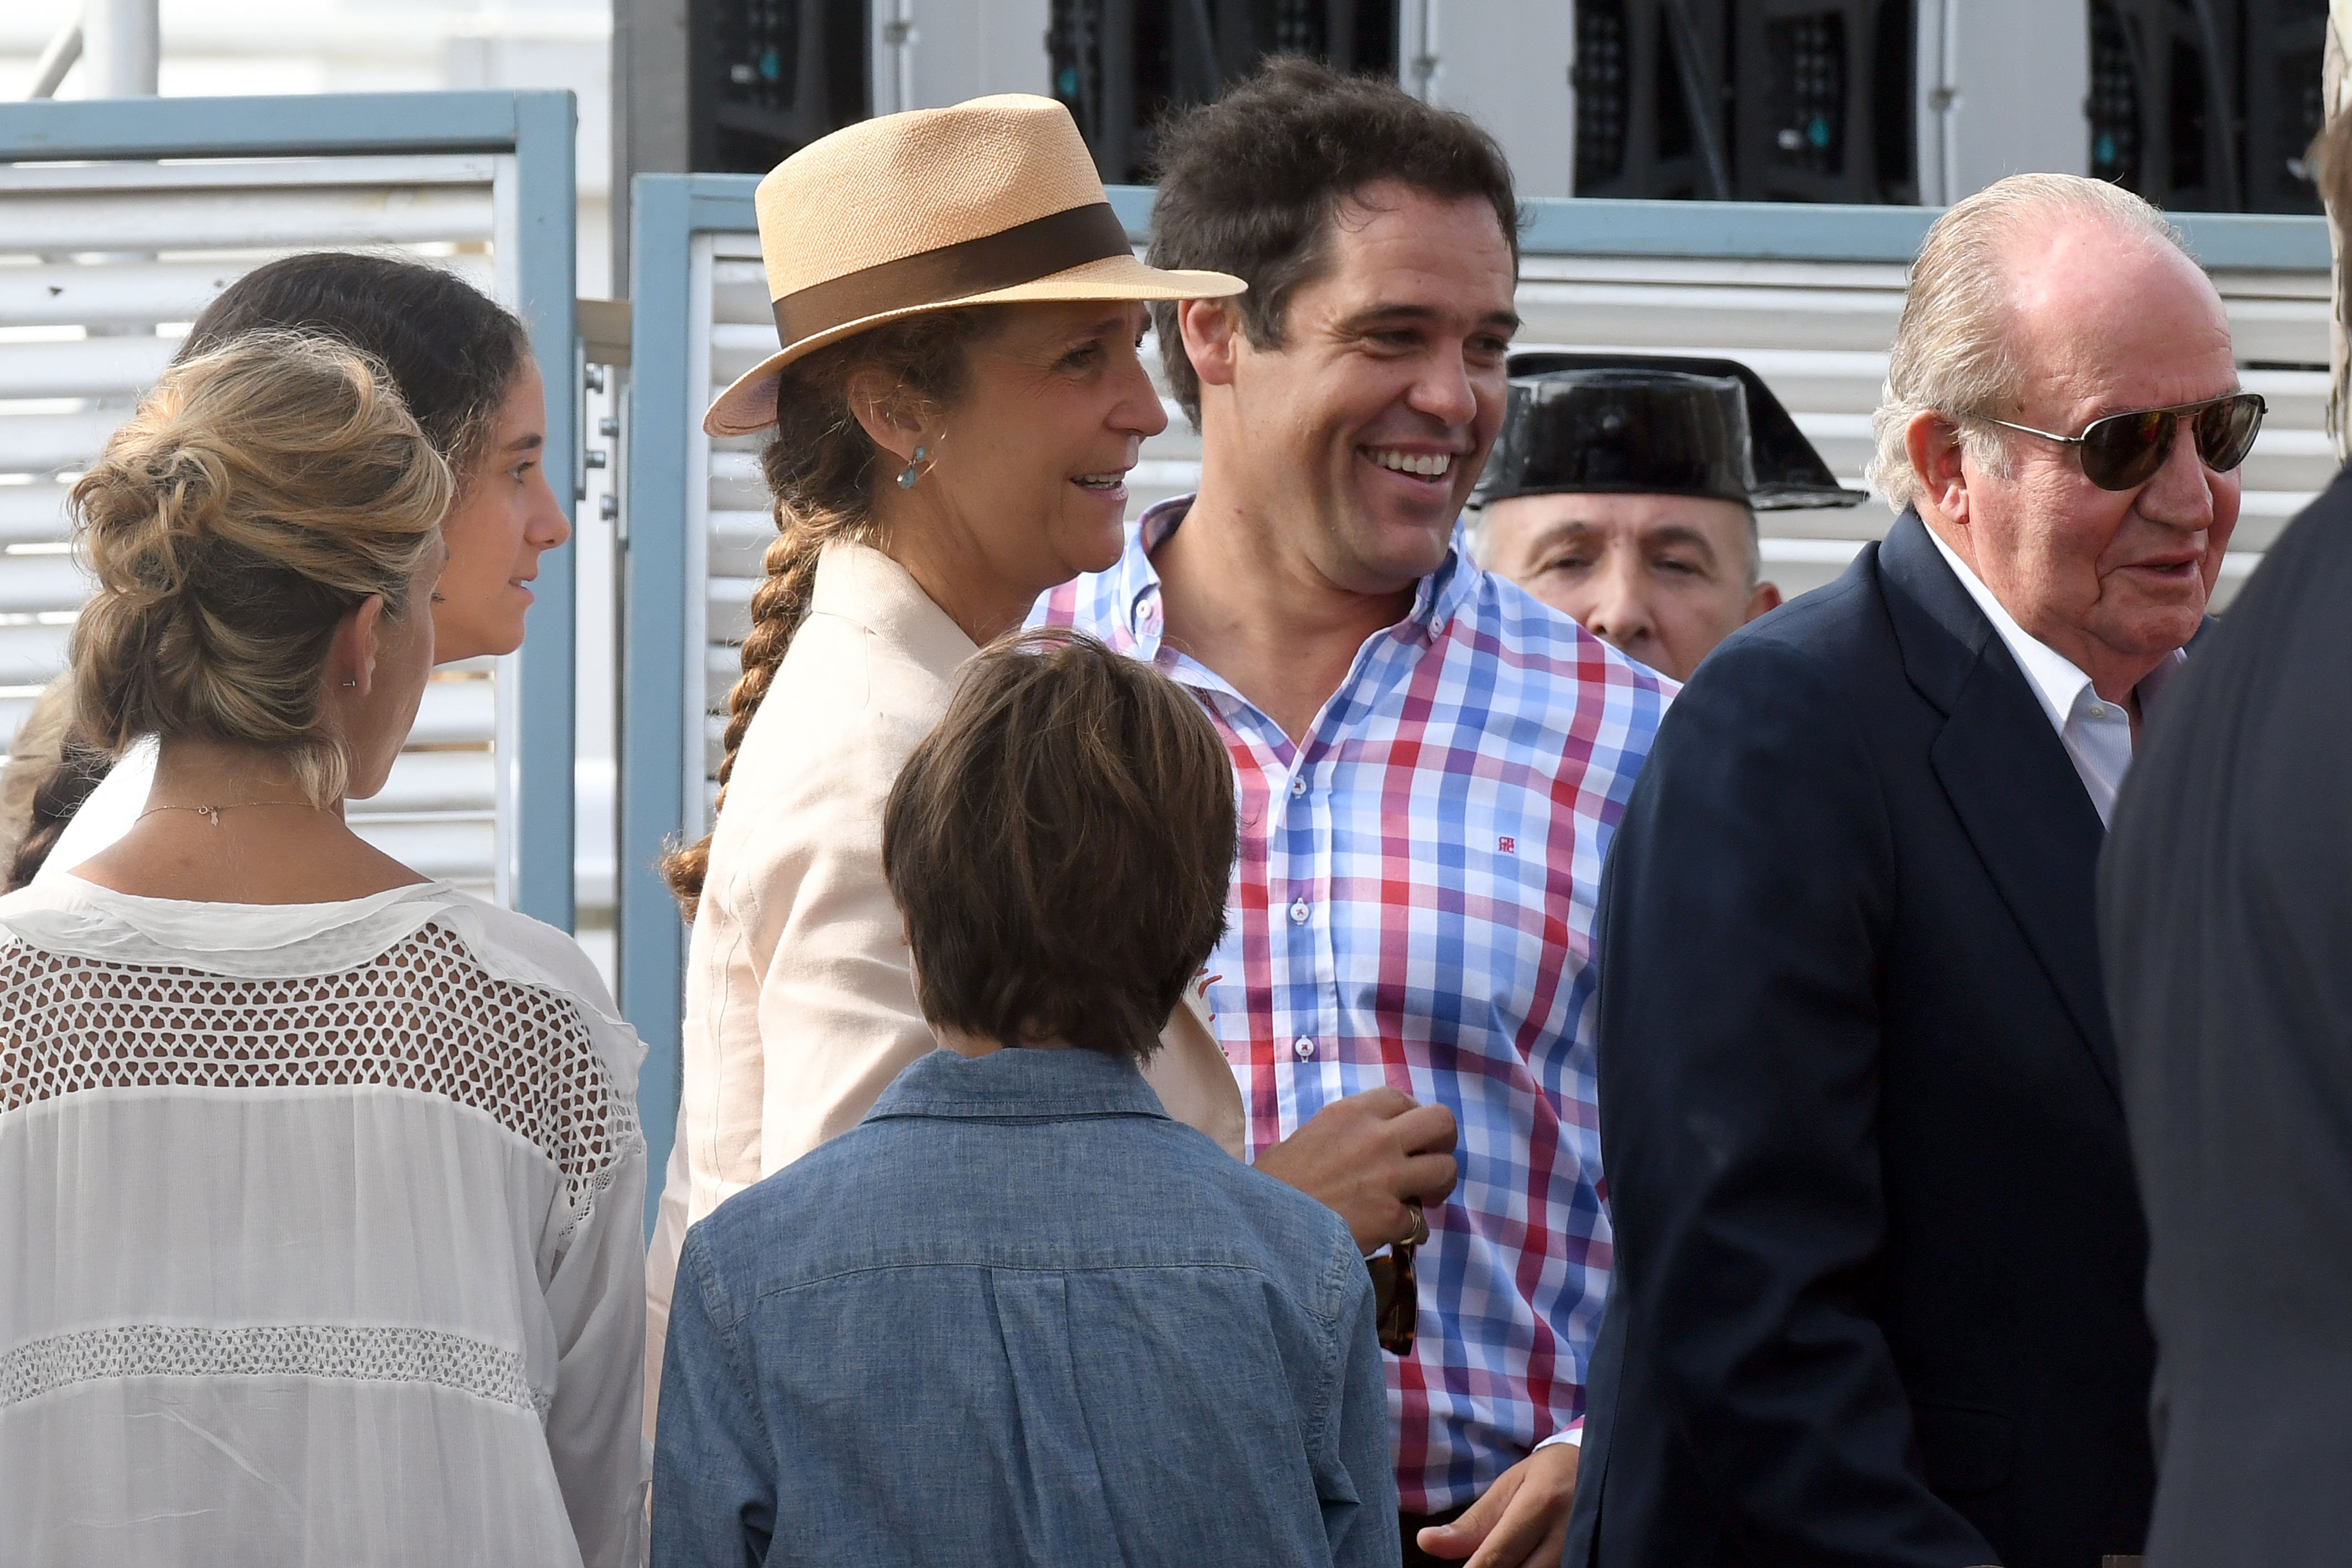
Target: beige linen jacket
pixel 800 1000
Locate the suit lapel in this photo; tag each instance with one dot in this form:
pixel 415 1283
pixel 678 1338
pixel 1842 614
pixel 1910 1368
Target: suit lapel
pixel 2007 775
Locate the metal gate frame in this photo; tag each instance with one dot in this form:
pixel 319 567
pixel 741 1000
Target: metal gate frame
pixel 659 740
pixel 536 129
pixel 661 750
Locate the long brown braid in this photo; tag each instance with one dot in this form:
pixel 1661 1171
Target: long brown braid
pixel 823 471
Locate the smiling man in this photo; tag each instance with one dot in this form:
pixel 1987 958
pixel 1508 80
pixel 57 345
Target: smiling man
pixel 1880 1256
pixel 1430 764
pixel 1624 491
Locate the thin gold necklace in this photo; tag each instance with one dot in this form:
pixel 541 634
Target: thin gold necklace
pixel 215 811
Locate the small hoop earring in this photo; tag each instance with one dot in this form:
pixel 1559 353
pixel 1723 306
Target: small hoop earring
pixel 351 683
pixel 907 476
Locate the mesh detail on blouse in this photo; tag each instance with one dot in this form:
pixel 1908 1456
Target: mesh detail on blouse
pixel 270 1350
pixel 422 1015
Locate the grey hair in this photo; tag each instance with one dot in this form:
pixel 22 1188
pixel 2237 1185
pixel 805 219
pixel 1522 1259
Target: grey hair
pixel 1951 353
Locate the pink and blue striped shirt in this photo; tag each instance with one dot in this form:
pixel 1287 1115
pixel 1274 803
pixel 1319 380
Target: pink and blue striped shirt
pixel 1413 904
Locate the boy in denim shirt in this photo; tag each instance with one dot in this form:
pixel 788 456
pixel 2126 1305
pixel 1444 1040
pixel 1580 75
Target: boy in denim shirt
pixel 1018 1314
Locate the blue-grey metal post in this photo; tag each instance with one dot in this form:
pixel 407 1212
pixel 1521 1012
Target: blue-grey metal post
pixel 547 280
pixel 661 732
pixel 654 722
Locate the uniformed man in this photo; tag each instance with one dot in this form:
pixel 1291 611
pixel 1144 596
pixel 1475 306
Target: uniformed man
pixel 1625 493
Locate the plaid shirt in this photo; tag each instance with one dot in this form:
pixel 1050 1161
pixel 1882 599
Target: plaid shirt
pixel 1413 904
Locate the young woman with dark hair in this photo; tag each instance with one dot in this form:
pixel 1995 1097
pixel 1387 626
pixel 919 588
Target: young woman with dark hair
pixel 463 365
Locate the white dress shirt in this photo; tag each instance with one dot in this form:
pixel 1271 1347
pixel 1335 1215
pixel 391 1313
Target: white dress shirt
pixel 2097 734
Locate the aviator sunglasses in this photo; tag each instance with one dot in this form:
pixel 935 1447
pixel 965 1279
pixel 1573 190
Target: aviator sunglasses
pixel 2124 450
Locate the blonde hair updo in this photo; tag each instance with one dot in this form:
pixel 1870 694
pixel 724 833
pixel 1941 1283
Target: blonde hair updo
pixel 261 492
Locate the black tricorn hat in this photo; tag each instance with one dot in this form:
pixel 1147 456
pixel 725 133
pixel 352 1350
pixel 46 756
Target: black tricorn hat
pixel 1654 425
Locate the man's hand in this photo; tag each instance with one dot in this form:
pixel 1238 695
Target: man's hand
pixel 1523 1517
pixel 1362 1156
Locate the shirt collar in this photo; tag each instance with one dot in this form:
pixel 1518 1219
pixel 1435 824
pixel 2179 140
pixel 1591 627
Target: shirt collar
pixel 1436 599
pixel 1071 1081
pixel 2057 684
pixel 861 584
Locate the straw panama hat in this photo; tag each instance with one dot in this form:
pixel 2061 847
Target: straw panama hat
pixel 989 201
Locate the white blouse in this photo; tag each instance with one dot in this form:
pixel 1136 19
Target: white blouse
pixel 320 1231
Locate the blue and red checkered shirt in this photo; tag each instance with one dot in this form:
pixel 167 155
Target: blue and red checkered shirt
pixel 1413 904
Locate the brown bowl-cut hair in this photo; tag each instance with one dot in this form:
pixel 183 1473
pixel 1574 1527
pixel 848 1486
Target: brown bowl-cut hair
pixel 1060 847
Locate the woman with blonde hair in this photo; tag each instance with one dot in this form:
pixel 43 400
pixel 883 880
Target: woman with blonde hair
pixel 320 1182
pixel 955 406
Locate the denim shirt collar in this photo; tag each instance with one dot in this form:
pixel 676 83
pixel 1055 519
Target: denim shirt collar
pixel 1140 621
pixel 1067 1082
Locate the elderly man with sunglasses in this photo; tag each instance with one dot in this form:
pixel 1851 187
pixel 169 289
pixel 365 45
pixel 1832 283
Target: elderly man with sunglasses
pixel 1877 1293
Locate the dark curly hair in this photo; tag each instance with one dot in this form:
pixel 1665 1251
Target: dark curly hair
pixel 1251 185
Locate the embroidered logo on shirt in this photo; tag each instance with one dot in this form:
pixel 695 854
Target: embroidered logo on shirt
pixel 1507 846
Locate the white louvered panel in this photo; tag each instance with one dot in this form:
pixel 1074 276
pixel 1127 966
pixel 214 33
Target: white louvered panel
pixel 453 847
pixel 38 585
pixel 457 781
pixel 102 267
pixel 29 655
pixel 740 541
pixel 70 295
pixel 32 510
pixel 734 523
pixel 460 707
pixel 37 445
pixel 291 203
pixel 81 367
pixel 259 220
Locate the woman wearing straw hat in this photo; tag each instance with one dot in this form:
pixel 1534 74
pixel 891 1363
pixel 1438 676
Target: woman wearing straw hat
pixel 954 408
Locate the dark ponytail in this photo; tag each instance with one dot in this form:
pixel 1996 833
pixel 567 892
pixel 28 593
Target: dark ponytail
pixel 66 783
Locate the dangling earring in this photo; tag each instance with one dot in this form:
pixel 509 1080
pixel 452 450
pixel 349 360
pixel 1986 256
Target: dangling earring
pixel 907 477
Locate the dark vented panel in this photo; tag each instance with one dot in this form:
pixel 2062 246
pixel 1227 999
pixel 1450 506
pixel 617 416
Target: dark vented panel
pixel 1119 65
pixel 2284 43
pixel 1807 82
pixel 1653 99
pixel 766 78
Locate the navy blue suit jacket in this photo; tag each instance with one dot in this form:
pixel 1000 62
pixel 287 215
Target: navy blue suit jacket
pixel 1877 1290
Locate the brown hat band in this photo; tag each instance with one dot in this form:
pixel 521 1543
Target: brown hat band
pixel 1022 253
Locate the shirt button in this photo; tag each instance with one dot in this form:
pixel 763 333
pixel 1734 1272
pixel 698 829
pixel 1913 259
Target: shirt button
pixel 1298 785
pixel 1298 912
pixel 1302 1048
